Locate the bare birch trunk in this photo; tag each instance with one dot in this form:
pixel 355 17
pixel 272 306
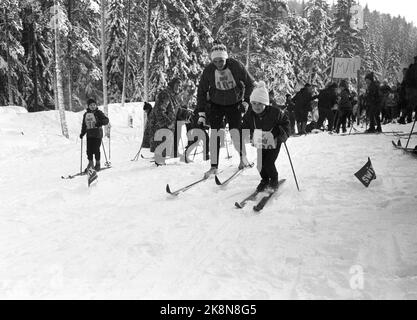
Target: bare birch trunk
pixel 103 61
pixel 126 55
pixel 70 107
pixel 9 69
pixel 60 90
pixel 146 64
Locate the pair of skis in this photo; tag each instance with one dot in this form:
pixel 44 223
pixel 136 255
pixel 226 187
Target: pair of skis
pixel 264 200
pixel 218 182
pixel 72 176
pixel 258 207
pixel 408 150
pixel 91 173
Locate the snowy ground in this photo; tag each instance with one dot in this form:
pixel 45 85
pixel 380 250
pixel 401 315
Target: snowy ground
pixel 125 238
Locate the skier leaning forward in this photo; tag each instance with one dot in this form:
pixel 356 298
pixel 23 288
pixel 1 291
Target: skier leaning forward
pixel 269 127
pixel 223 82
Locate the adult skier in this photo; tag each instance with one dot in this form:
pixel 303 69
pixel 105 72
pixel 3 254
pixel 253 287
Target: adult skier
pixel 227 85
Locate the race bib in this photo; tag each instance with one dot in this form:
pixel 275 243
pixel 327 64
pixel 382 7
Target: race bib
pixel 224 80
pixel 263 140
pixel 90 121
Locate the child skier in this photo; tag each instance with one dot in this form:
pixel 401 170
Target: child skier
pixel 268 127
pixel 93 120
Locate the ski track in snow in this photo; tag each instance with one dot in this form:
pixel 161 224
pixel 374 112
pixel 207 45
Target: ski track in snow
pixel 126 238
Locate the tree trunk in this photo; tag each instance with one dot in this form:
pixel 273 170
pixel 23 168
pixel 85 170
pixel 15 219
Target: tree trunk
pixel 248 43
pixel 103 61
pixel 69 9
pixel 35 72
pixel 126 55
pixel 9 69
pixel 60 89
pixel 146 63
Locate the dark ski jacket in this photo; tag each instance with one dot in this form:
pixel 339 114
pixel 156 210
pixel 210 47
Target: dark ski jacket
pixel 327 99
pixel 97 130
pixel 345 100
pixel 303 101
pixel 162 116
pixel 290 105
pixel 372 96
pixel 410 79
pixel 271 120
pixel 225 97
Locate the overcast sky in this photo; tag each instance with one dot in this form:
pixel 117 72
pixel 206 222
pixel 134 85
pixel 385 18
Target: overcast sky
pixel 405 8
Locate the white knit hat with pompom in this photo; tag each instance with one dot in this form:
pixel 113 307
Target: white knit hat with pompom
pixel 260 93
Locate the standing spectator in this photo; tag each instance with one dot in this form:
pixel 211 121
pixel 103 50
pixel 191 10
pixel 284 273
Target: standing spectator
pixel 302 107
pixel 402 101
pixel 372 103
pixel 345 106
pixel 327 99
pixel 384 91
pixel 411 89
pixel 290 107
pixel 163 116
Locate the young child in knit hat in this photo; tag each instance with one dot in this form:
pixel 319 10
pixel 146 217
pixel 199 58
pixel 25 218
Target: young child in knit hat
pixel 269 127
pixel 93 120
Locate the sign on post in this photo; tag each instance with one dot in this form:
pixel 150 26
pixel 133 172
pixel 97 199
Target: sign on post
pixel 356 22
pixel 345 68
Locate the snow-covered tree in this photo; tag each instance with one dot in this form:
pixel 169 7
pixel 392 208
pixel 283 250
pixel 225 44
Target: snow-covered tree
pixel 319 42
pixel 348 42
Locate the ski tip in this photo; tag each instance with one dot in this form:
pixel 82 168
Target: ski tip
pixel 218 182
pixel 237 205
pixel 168 189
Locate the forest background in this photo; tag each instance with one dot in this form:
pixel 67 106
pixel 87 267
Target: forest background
pixel 58 51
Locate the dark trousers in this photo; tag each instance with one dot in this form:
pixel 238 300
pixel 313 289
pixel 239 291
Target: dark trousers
pixel 177 137
pixel 93 148
pixel 292 121
pixel 269 156
pixel 343 117
pixel 232 116
pixel 323 115
pixel 206 145
pixel 374 118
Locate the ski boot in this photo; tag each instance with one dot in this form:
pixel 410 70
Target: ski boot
pixel 97 167
pixel 213 170
pixel 90 165
pixel 244 163
pixel 262 185
pixel 273 184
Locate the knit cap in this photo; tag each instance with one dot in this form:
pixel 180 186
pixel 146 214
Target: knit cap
pixel 260 93
pixel 219 51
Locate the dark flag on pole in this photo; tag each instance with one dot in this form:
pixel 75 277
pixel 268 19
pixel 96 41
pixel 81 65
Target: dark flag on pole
pixel 366 174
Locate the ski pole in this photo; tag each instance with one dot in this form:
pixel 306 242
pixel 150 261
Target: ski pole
pixel 292 167
pixel 107 164
pixel 109 142
pixel 227 145
pixel 81 157
pixel 195 152
pixel 411 133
